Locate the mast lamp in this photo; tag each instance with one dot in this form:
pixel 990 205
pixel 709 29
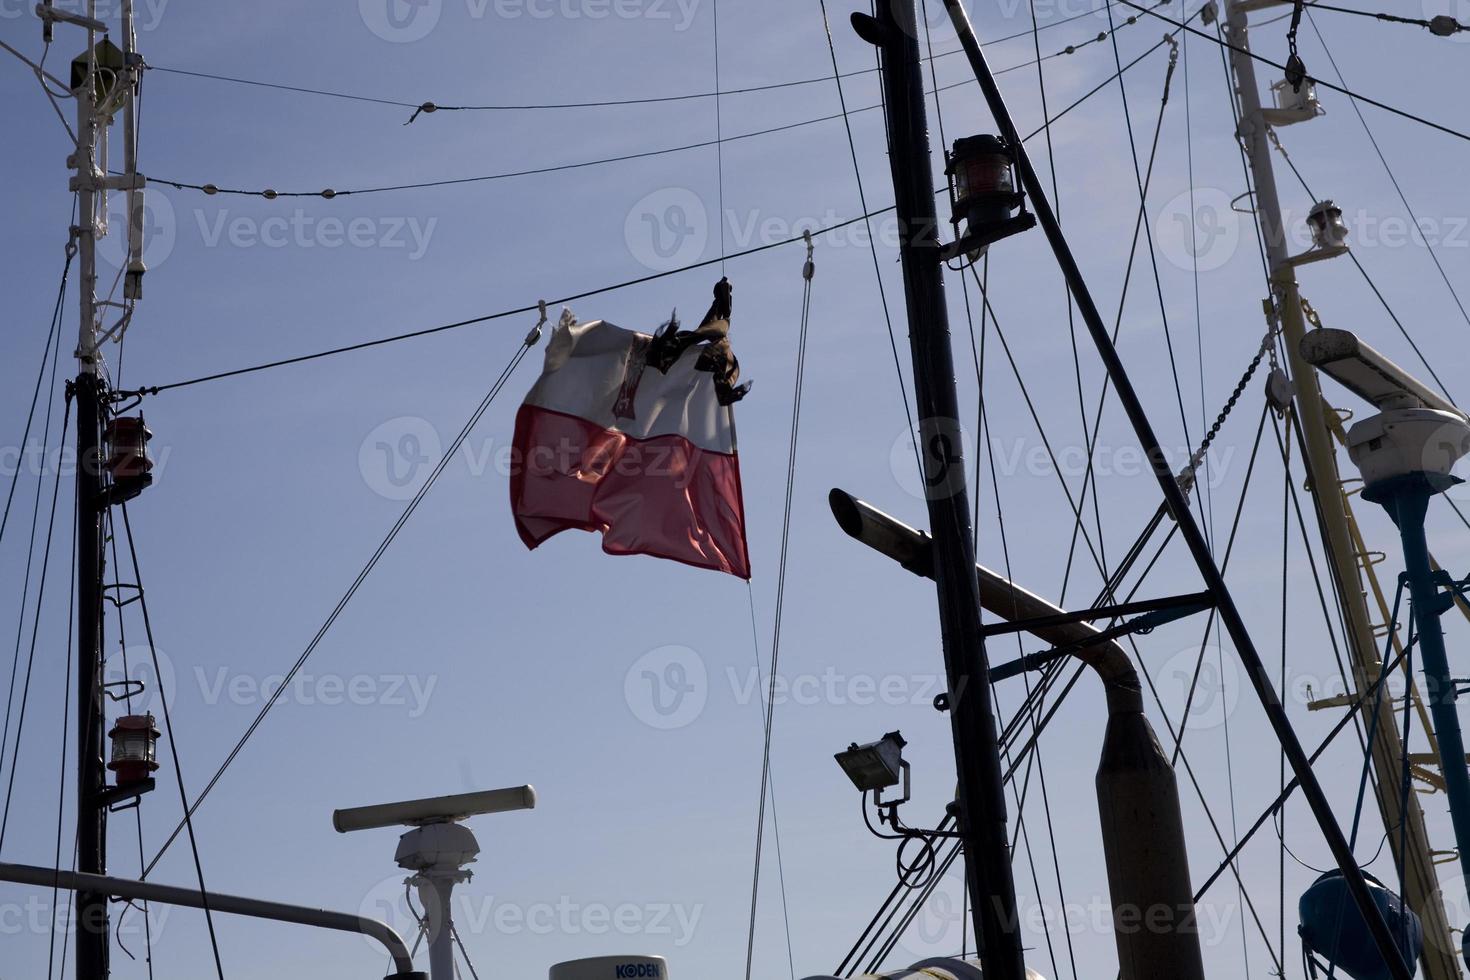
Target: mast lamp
pixel 877 765
pixel 1328 228
pixel 134 750
pixel 127 461
pixel 1324 221
pixel 983 196
pixel 1293 105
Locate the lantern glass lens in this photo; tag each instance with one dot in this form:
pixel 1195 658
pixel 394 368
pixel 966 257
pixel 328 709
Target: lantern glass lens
pixel 133 747
pixel 985 174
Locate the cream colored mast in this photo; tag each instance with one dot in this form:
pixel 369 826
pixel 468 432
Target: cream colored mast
pixel 1439 961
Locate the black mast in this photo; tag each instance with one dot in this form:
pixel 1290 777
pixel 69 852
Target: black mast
pixel 93 941
pixel 981 802
pixel 1178 504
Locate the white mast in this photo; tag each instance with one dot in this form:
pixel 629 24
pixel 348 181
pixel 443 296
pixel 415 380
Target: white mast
pixel 1421 882
pixel 104 82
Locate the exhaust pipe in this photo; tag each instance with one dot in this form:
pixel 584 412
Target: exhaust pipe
pixel 1138 798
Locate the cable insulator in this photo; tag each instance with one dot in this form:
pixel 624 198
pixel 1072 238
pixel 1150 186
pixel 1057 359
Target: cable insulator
pixel 1445 26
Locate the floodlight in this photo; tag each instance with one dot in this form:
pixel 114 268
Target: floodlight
pixel 1367 373
pixel 437 809
pixel 875 766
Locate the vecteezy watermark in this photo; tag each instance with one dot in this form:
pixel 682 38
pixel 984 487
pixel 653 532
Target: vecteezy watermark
pixel 1207 683
pixel 667 688
pixel 397 457
pixel 303 230
pixel 147 14
pixel 139 680
pixel 1198 229
pixel 671 227
pixel 1204 229
pixel 224 227
pixel 1460 11
pixel 406 21
pixel 932 473
pixel 36 460
pixel 670 688
pixel 667 229
pixel 401 21
pixel 1448 449
pixel 670 923
pixel 943 918
pixel 159 227
pixel 329 690
pixel 34 915
pixel 1202 682
pixel 1029 457
pixel 680 14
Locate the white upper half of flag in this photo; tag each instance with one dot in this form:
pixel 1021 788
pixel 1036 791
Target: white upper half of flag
pixel 596 371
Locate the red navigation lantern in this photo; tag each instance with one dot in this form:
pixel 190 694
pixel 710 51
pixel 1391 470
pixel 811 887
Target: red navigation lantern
pixel 134 749
pixel 983 194
pixel 128 461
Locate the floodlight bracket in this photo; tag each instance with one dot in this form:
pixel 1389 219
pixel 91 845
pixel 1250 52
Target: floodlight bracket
pixel 893 805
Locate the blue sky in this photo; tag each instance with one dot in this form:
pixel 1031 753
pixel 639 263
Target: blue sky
pixel 466 662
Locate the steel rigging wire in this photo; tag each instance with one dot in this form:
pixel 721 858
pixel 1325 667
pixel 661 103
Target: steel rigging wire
pixel 156 389
pixel 54 350
pixel 1350 715
pixel 20 723
pixel 1129 560
pixel 122 645
pixel 1178 747
pixel 66 734
pixel 1388 169
pixel 857 174
pixel 333 193
pixel 1147 226
pixel 1291 164
pixel 424 107
pixel 372 562
pixel 1310 78
pixel 1442 26
pixel 173 746
pixel 808 271
pixel 983 427
pixel 769 711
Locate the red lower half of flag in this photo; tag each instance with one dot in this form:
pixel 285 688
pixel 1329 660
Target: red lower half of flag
pixel 663 496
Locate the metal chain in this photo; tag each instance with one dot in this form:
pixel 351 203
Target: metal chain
pixel 1313 317
pixel 1296 71
pixel 1187 475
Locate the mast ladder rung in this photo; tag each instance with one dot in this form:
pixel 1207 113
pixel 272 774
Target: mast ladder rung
pixel 1432 779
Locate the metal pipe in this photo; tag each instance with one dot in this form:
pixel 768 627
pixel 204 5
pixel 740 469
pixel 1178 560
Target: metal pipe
pixel 1178 504
pixel 981 799
pixel 913 549
pixel 93 939
pixel 1142 823
pixel 74 881
pixel 1333 513
pixel 1407 500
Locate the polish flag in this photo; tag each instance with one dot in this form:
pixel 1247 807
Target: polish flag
pixel 606 442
